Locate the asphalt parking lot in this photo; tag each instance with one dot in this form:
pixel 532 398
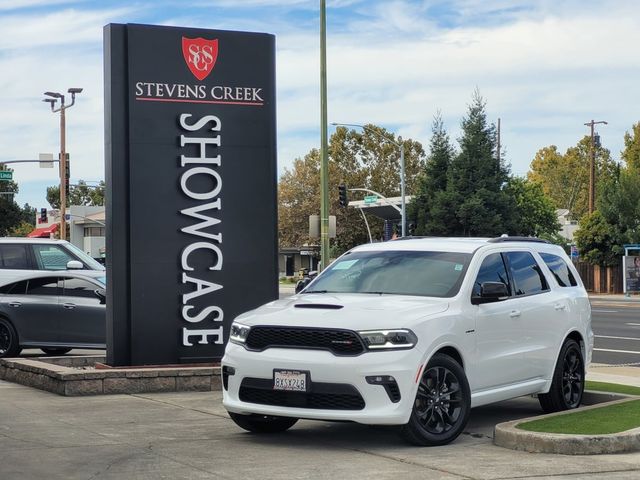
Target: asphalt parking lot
pixel 189 436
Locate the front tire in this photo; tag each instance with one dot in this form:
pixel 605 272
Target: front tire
pixel 263 423
pixel 9 343
pixel 442 405
pixel 567 385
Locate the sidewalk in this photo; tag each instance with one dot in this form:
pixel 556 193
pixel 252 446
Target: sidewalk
pixel 599 372
pixel 616 297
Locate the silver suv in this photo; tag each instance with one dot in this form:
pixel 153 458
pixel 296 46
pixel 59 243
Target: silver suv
pixel 18 255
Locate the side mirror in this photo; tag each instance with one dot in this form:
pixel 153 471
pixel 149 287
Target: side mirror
pixel 74 265
pixel 102 295
pixel 491 292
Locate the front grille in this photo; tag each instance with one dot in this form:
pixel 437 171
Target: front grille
pixel 340 342
pixel 323 396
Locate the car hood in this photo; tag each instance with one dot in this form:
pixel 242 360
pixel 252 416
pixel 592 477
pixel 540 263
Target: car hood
pixel 350 311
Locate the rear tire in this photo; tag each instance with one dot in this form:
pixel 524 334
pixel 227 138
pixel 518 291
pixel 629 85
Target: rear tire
pixel 263 423
pixel 442 405
pixel 55 351
pixel 9 342
pixel 567 385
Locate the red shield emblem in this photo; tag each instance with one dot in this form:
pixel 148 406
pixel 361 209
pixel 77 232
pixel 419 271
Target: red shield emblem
pixel 200 55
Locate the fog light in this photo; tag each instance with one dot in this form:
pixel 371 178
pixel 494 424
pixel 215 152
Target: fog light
pixel 389 383
pixel 226 373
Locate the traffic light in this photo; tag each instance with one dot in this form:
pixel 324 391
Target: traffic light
pixel 342 191
pixel 411 229
pixel 43 215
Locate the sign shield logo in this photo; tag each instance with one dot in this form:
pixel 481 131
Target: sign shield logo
pixel 200 55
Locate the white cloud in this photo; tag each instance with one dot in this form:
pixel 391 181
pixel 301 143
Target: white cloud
pixel 544 67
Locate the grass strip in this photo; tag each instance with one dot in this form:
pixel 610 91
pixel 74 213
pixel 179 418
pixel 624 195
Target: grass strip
pixel 612 387
pixel 598 421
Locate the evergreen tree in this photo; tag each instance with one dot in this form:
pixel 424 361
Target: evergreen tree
pixel 426 209
pixel 476 179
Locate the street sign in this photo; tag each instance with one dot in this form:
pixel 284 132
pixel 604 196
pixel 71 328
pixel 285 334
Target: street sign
pixel 370 199
pixel 6 175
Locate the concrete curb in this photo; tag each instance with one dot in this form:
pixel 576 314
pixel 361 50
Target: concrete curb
pixel 507 435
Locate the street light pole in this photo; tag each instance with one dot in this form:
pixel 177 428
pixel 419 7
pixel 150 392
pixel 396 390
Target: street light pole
pixel 592 166
pixel 400 146
pixel 64 181
pixel 324 154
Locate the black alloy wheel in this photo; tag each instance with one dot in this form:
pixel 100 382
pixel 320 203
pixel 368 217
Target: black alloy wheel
pixel 567 385
pixel 442 405
pixel 9 346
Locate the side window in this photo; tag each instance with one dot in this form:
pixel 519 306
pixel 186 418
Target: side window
pixel 76 287
pixel 14 256
pixel 16 288
pixel 560 270
pixel 43 286
pixel 51 257
pixel 527 275
pixel 491 270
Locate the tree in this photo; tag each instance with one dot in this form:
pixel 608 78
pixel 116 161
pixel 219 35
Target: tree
pixel 534 213
pixel 475 202
pixel 10 215
pixel 565 178
pixel 21 230
pixel 631 152
pixel 598 240
pixel 358 159
pixel 426 208
pixel 80 194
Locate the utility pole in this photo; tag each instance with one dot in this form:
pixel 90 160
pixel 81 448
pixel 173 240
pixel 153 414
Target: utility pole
pixel 64 178
pixel 592 166
pixel 498 140
pixel 324 156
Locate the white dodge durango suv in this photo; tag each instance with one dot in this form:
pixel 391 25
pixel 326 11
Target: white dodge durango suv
pixel 414 332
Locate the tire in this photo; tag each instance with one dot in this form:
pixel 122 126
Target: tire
pixel 442 405
pixel 55 351
pixel 567 384
pixel 263 423
pixel 9 343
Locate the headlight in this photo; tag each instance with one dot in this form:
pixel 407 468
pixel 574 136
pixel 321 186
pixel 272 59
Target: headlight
pixel 239 333
pixel 388 339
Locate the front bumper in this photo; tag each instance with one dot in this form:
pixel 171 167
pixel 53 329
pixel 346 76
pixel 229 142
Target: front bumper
pixel 324 367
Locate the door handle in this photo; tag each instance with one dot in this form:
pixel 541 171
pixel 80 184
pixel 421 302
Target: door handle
pixel 559 307
pixel 69 306
pixel 15 304
pixel 514 313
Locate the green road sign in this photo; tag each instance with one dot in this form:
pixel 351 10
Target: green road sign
pixel 370 199
pixel 6 175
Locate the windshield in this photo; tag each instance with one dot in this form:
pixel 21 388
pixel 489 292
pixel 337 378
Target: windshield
pixel 430 274
pixel 90 262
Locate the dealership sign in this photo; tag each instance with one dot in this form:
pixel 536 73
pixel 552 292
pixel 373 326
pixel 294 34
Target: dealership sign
pixel 191 188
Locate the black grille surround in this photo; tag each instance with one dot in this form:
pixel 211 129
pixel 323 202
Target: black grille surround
pixel 323 396
pixel 339 342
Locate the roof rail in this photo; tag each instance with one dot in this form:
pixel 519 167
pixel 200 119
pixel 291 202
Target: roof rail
pixel 517 239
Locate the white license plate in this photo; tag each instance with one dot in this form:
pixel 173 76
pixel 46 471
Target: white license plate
pixel 291 380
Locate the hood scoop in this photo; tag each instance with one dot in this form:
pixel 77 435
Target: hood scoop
pixel 319 306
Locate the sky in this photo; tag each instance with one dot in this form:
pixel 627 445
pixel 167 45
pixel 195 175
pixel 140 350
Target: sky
pixel 544 67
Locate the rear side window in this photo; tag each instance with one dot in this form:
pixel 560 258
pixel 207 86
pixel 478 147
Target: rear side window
pixel 560 270
pixel 76 287
pixel 14 256
pixel 43 286
pixel 16 288
pixel 527 275
pixel 491 270
pixel 51 257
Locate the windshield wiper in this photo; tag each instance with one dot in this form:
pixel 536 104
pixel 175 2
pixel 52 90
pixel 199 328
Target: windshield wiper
pixel 318 291
pixel 375 293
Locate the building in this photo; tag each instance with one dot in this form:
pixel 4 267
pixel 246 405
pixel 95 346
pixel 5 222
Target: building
pixel 87 229
pixel 568 225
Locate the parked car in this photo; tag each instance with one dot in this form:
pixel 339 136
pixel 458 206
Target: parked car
pixel 414 332
pixel 53 311
pixel 18 255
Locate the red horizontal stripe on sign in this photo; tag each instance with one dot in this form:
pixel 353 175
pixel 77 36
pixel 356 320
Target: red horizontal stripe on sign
pixel 182 100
